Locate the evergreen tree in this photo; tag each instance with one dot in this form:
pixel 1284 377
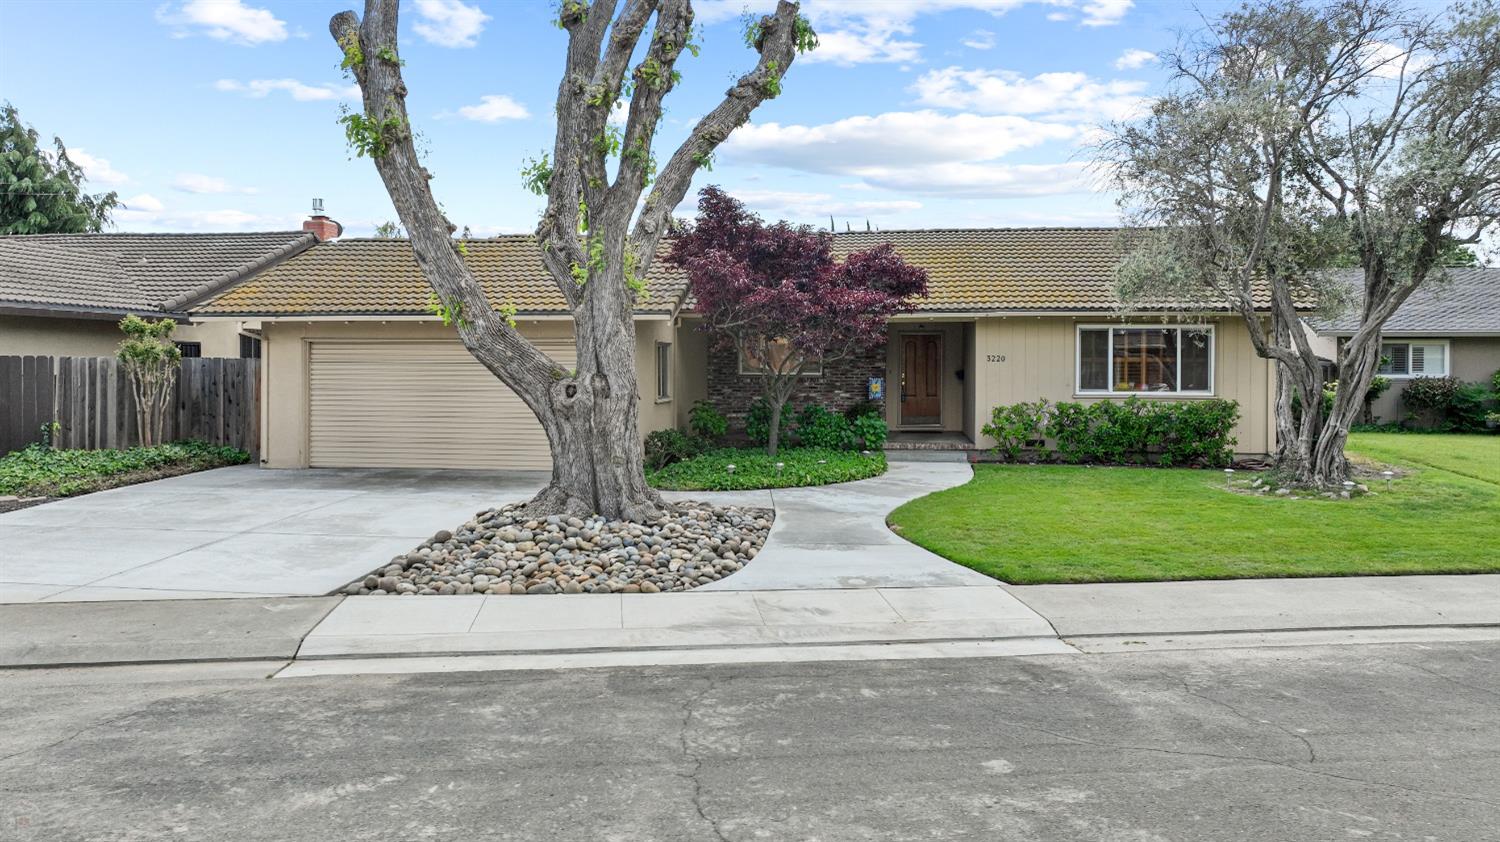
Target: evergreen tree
pixel 41 192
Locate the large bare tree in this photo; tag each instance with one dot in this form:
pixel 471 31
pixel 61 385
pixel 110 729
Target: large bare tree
pixel 598 237
pixel 1298 132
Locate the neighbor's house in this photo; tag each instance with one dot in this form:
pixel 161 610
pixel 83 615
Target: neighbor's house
pixel 1447 328
pixel 358 372
pixel 64 294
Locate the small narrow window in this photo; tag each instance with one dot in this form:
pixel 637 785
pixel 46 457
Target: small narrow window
pixel 249 347
pixel 663 371
pixel 1197 353
pixel 190 350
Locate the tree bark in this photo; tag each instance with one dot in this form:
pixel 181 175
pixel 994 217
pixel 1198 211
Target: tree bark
pixel 590 415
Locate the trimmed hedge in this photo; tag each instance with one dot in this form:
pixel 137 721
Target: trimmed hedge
pixel 753 469
pixel 1128 432
pixel 39 471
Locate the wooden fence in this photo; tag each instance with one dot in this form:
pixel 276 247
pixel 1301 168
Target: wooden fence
pixel 217 401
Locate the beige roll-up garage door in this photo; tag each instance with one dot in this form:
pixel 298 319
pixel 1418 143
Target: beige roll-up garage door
pixel 419 405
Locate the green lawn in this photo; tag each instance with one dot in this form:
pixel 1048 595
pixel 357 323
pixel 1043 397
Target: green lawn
pixel 753 469
pixel 1056 523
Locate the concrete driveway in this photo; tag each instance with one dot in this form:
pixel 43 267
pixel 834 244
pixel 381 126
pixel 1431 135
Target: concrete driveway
pixel 240 531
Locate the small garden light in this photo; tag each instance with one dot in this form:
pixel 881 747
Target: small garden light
pixel 729 468
pixel 779 466
pixel 1228 477
pixel 1348 486
pixel 1389 475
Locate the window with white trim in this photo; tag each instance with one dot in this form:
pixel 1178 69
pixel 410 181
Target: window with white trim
pixel 1134 359
pixel 663 371
pixel 1414 359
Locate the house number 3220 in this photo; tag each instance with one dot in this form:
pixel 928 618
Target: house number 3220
pixel 994 358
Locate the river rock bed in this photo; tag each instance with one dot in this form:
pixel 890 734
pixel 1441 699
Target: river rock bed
pixel 502 551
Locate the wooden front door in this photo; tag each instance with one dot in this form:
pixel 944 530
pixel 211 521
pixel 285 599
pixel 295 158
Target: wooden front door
pixel 921 379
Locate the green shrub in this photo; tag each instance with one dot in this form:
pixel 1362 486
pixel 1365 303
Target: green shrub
pixel 816 426
pixel 663 447
pixel 39 471
pixel 1467 411
pixel 758 422
pixel 1132 431
pixel 863 408
pixel 1013 426
pixel 706 421
pixel 869 431
pixel 1430 394
pixel 800 466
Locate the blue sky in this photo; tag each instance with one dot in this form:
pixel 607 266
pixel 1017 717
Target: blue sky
pixel 220 114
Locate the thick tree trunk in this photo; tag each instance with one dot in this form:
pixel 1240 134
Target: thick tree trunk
pixel 1357 366
pixel 773 442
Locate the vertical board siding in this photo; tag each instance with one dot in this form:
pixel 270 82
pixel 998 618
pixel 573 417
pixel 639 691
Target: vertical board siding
pixel 217 400
pixel 1041 353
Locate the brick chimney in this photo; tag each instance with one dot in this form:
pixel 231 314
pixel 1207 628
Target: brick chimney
pixel 320 225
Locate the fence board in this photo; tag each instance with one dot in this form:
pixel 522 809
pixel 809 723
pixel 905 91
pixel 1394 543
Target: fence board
pixel 217 400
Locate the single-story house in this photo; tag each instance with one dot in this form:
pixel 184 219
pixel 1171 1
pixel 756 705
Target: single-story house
pixel 1449 327
pixel 358 372
pixel 64 294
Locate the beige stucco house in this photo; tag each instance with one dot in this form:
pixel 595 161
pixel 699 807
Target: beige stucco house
pixel 1449 327
pixel 358 372
pixel 63 295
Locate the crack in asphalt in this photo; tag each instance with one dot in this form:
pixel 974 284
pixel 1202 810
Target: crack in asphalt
pixel 682 740
pixel 1435 674
pixel 1312 754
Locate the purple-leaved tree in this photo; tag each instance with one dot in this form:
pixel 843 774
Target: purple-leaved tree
pixel 776 294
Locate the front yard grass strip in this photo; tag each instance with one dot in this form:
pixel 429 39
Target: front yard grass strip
pixel 753 469
pixel 38 471
pixel 1057 524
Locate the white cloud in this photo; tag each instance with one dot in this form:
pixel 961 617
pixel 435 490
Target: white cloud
pixel 1385 60
pixel 143 202
pixel 152 215
pixel 494 108
pixel 1073 96
pixel 449 23
pixel 859 31
pixel 300 91
pixel 919 153
pixel 225 20
pixel 1105 12
pixel 985 180
pixel 857 144
pixel 1134 59
pixel 816 205
pixel 980 39
pixel 189 182
pixel 98 170
pixel 619 115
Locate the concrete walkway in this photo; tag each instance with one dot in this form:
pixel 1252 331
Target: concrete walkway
pixel 835 536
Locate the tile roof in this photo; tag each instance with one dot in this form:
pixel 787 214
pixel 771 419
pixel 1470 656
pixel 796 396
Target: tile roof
pixel 142 273
pixel 969 270
pixel 1463 301
pixel 380 277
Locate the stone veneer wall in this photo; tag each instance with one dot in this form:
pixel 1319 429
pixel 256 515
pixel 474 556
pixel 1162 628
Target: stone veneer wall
pixel 841 385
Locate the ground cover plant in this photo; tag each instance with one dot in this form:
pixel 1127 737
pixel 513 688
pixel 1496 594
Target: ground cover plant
pixel 753 469
pixel 1059 523
pixel 39 471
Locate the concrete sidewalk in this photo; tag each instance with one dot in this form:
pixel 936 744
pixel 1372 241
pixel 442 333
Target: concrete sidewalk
pixel 1258 605
pixel 154 631
pixel 384 627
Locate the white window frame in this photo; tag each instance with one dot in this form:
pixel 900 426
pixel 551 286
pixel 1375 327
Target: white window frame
pixel 1213 358
pixel 1447 357
pixel 663 372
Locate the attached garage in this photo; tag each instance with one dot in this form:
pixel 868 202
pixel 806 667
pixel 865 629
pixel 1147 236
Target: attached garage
pixel 418 404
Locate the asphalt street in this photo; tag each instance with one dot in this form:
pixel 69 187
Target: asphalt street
pixel 1310 743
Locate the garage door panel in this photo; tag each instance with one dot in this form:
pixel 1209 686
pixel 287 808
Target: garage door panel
pixel 419 405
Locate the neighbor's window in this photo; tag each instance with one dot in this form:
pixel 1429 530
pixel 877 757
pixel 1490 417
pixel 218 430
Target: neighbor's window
pixel 663 371
pixel 190 349
pixel 1128 359
pixel 1414 359
pixel 249 347
pixel 777 350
